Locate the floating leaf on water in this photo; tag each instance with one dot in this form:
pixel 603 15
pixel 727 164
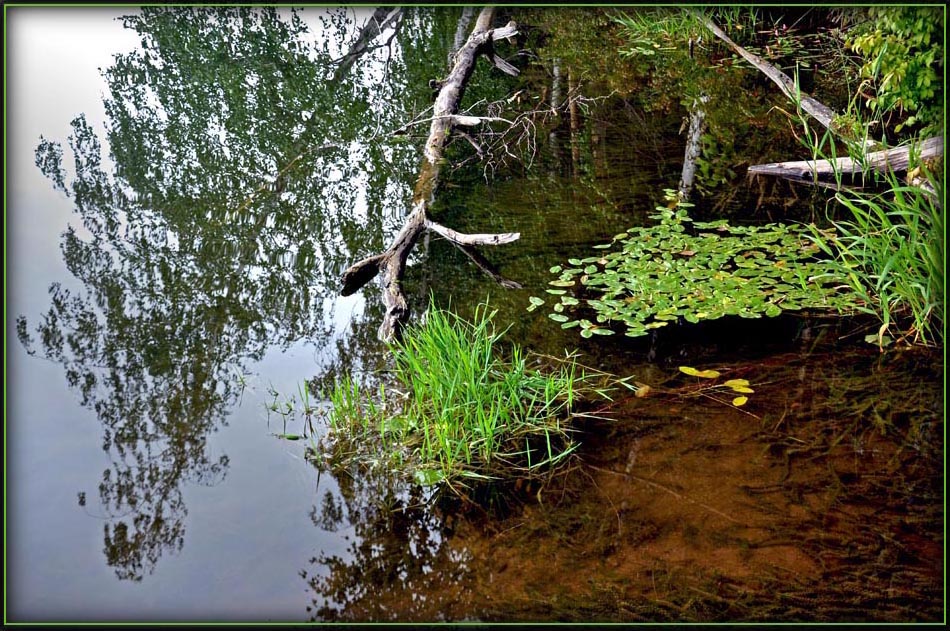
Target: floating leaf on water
pixel 571 324
pixel 585 333
pixel 738 401
pixel 705 374
pixel 289 436
pixel 556 269
pixel 556 292
pixel 773 310
pixel 562 283
pixel 737 383
pixel 600 331
pixel 557 317
pixel 742 389
pixel 535 302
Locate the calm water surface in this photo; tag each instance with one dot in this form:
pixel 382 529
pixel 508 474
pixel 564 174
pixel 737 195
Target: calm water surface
pixel 146 479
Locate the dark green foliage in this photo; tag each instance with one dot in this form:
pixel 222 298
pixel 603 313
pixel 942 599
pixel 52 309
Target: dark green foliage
pixel 902 48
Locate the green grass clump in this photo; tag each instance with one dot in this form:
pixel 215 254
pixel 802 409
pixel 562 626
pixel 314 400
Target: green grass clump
pixel 891 252
pixel 458 410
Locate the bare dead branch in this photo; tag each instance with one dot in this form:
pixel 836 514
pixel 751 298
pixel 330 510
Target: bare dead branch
pixel 471 239
pixel 390 265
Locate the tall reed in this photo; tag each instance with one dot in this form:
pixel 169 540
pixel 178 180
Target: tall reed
pixel 890 248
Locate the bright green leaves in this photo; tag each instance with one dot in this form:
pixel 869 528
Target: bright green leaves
pixel 903 62
pixel 695 271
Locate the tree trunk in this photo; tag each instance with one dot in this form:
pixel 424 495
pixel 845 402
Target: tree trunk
pixel 697 120
pixel 391 263
pixel 575 123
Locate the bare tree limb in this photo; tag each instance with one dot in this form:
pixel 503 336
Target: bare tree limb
pixel 390 265
pixel 819 111
pixel 471 239
pixel 382 18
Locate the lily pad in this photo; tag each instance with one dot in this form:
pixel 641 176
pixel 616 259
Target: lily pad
pixel 705 374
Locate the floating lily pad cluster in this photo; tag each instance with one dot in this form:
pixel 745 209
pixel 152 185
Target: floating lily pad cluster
pixel 650 276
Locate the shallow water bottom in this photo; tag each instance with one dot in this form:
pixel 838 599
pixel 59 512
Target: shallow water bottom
pixel 820 500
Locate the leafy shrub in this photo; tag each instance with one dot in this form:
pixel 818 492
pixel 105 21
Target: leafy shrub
pixel 903 51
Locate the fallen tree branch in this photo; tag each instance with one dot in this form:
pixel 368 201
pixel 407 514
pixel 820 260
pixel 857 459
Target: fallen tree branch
pixel 390 265
pixel 471 239
pixel 819 111
pixel 826 171
pixel 811 171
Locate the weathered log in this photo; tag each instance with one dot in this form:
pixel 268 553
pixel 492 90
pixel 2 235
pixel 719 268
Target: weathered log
pixel 391 263
pixel 819 111
pixel 827 171
pixel 471 239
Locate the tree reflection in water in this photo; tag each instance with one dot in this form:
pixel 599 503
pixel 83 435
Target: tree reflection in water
pixel 402 565
pixel 241 183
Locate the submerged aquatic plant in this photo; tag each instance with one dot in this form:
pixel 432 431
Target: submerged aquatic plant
pixel 458 410
pixel 696 271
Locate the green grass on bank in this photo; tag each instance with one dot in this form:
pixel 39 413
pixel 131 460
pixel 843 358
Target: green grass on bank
pixel 457 411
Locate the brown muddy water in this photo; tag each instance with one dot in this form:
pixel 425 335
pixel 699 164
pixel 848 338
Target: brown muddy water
pixel 819 500
pixel 147 479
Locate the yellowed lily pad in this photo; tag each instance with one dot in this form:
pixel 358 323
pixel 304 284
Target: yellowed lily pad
pixel 705 374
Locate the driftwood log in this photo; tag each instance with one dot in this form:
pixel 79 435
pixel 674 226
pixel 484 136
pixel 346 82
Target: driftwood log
pixel 823 172
pixel 827 171
pixel 819 111
pixel 390 265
